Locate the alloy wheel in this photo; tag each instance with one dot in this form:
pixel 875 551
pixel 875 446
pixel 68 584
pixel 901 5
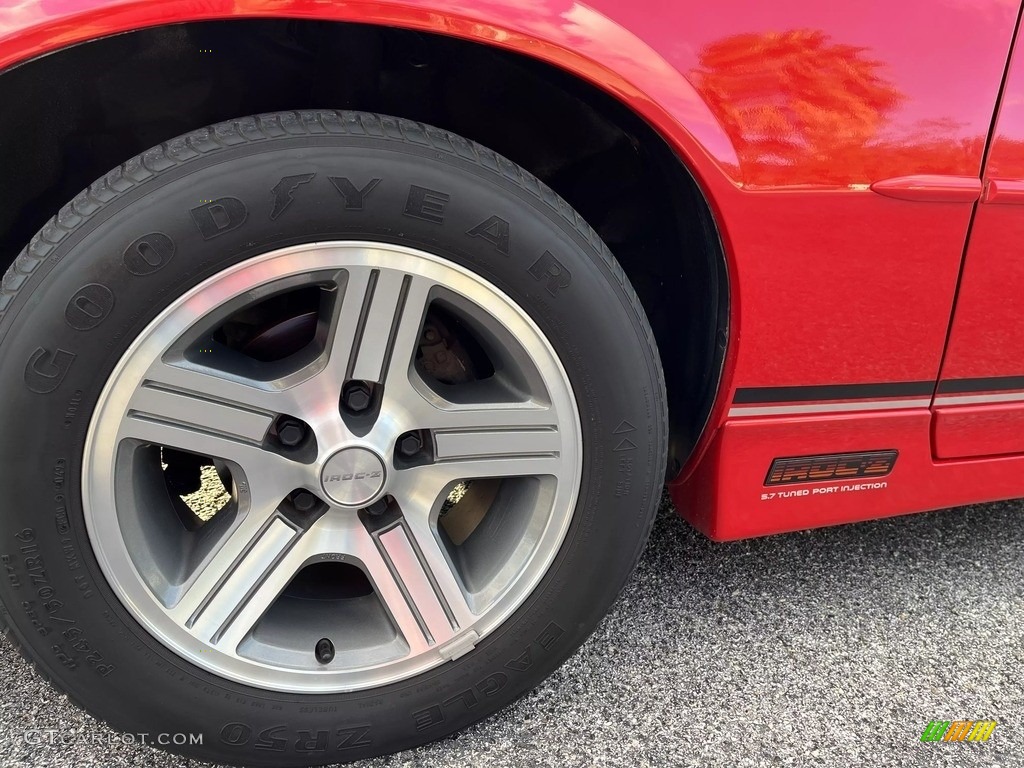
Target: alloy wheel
pixel 396 452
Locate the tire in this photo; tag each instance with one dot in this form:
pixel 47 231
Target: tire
pixel 87 289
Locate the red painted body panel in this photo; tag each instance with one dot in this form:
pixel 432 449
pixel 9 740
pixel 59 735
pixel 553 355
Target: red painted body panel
pixel 978 430
pixel 802 92
pixel 786 113
pixel 986 339
pixel 988 322
pixel 731 476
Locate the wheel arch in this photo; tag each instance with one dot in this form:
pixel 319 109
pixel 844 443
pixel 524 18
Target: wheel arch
pixel 579 40
pixel 624 84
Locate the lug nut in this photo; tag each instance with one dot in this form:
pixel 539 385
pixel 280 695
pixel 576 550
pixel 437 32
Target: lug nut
pixel 378 508
pixel 410 444
pixel 324 651
pixel 304 501
pixel 357 396
pixel 290 432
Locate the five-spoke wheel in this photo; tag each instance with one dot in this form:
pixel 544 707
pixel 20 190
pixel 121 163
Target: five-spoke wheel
pixel 235 594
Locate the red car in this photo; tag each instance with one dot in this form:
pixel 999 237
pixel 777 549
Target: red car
pixel 336 413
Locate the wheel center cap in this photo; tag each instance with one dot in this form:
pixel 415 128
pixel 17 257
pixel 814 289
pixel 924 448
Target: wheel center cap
pixel 353 476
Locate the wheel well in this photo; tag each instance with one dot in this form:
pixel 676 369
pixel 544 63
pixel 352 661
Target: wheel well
pixel 85 109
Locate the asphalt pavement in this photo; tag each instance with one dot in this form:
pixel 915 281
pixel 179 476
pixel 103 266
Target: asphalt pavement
pixel 833 647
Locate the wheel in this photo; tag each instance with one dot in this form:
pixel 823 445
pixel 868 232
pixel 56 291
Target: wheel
pixel 326 435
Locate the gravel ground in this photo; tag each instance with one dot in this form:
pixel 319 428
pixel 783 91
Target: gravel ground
pixel 827 648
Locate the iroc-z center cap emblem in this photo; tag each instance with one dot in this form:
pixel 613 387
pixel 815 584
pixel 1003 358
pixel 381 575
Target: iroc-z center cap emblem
pixel 353 476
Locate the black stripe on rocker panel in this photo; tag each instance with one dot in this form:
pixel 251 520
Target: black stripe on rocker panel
pixel 763 395
pixel 990 384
